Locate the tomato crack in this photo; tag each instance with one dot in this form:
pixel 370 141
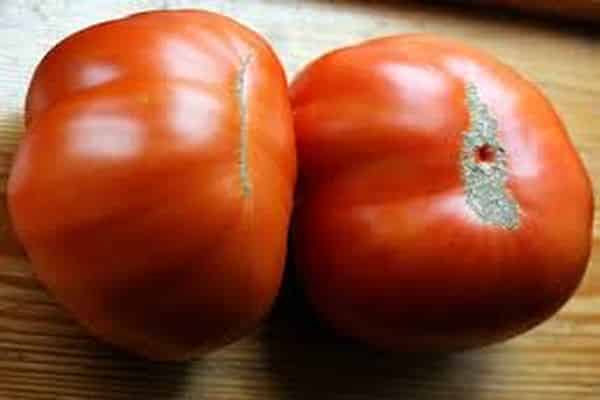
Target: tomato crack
pixel 242 96
pixel 485 167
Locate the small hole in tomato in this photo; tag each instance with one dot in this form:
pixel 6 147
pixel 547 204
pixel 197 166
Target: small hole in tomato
pixel 485 154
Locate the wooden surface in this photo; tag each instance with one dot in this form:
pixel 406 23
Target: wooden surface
pixel 45 355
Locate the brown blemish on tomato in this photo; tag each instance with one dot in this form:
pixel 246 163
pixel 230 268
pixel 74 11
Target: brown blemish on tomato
pixel 242 96
pixel 484 166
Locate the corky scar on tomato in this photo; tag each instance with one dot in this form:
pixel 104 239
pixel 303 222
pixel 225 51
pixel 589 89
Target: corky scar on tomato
pixel 485 167
pixel 241 91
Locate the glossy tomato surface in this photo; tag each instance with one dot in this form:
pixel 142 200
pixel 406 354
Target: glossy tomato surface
pixel 153 189
pixel 441 205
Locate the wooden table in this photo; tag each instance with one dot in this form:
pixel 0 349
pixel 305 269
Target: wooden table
pixel 45 355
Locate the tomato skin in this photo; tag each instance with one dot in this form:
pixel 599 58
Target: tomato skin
pixel 153 189
pixel 389 249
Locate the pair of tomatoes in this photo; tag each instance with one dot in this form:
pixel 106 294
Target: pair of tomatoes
pixel 440 204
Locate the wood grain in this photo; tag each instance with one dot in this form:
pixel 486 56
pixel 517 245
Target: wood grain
pixel 44 354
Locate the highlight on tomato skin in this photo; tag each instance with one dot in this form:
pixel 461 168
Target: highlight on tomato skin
pixel 442 205
pixel 151 192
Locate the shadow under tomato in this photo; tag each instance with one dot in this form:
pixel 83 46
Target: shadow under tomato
pixel 308 361
pixel 134 378
pixel 12 131
pixel 43 346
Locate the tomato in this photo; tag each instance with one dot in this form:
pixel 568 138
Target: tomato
pixel 154 187
pixel 441 205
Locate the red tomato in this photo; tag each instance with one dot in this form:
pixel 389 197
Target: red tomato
pixel 154 186
pixel 441 203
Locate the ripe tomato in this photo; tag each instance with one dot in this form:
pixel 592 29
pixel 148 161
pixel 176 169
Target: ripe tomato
pixel 441 203
pixel 154 186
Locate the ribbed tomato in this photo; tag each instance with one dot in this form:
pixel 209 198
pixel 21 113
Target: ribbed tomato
pixel 441 204
pixel 154 186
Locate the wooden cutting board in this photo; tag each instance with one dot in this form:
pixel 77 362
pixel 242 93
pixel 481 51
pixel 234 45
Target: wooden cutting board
pixel 44 354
